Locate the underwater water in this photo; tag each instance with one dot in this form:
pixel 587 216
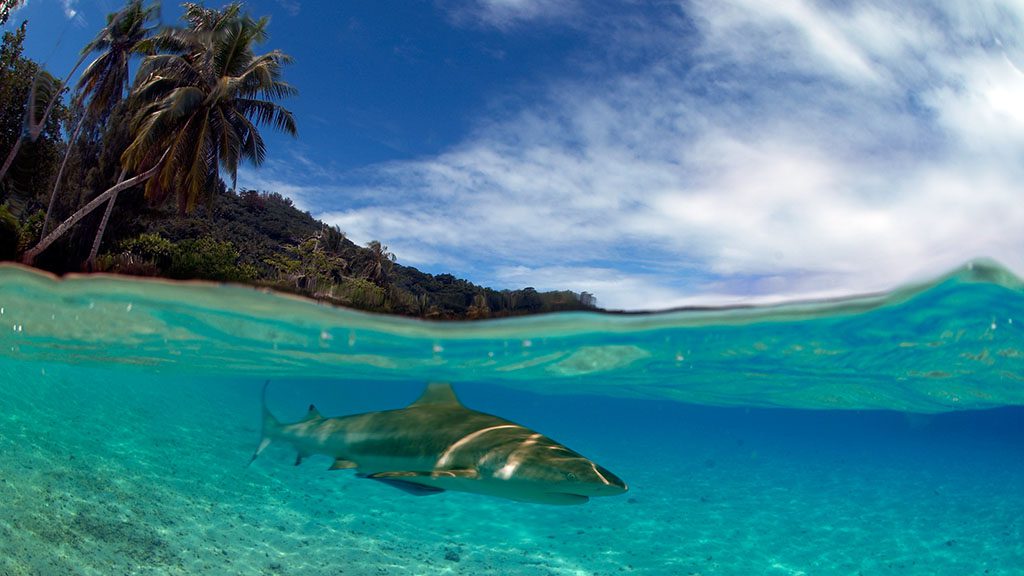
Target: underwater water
pixel 875 435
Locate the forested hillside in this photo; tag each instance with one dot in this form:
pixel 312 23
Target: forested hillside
pixel 261 238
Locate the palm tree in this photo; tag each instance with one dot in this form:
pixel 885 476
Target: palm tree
pixel 105 81
pixel 203 106
pixel 198 111
pixel 127 33
pixel 382 262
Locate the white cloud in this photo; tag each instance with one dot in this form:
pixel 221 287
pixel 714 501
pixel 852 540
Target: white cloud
pixel 292 7
pixel 985 108
pixel 796 30
pixel 69 8
pixel 798 149
pixel 505 14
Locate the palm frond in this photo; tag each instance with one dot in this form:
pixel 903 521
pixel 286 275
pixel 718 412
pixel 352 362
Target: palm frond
pixel 253 146
pixel 264 112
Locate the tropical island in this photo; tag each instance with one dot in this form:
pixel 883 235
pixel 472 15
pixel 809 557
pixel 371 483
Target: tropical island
pixel 129 167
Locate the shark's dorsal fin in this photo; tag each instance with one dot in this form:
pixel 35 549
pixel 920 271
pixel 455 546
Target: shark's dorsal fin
pixel 437 393
pixel 313 414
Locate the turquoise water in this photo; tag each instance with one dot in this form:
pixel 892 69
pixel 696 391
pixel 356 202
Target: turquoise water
pixel 876 435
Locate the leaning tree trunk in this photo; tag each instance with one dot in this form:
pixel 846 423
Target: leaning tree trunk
pixel 60 174
pixel 35 129
pixel 30 255
pixel 10 157
pixel 90 263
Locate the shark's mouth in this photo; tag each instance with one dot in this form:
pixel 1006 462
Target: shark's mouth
pixel 565 498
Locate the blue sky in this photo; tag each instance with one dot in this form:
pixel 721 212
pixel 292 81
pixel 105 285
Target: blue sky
pixel 654 153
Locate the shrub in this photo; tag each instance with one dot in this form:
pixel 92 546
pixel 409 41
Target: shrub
pixel 152 248
pixel 208 259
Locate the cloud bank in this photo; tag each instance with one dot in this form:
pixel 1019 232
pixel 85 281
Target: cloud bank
pixel 731 150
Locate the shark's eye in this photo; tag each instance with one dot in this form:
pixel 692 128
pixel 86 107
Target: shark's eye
pixel 570 476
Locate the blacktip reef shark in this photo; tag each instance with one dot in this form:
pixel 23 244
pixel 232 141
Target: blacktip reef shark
pixel 437 444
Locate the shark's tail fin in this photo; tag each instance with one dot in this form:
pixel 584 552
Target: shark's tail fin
pixel 270 425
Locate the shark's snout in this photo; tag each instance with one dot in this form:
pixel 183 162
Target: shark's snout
pixel 613 484
pixel 591 479
pixel 604 482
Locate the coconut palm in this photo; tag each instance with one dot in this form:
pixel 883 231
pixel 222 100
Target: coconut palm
pixel 128 33
pixel 381 263
pixel 105 81
pixel 198 111
pixel 204 106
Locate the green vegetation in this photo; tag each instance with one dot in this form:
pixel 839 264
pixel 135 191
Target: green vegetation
pixel 261 238
pixel 192 115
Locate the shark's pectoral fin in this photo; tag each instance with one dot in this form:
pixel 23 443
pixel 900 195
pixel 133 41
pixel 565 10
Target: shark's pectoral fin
pixel 466 473
pixel 298 459
pixel 342 464
pixel 397 474
pixel 422 483
pixel 408 487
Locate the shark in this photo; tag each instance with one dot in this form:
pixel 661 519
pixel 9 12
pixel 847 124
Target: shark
pixel 437 444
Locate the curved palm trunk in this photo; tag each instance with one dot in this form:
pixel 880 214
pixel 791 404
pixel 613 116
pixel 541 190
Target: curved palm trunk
pixel 60 174
pixel 90 263
pixel 36 129
pixel 31 254
pixel 10 157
